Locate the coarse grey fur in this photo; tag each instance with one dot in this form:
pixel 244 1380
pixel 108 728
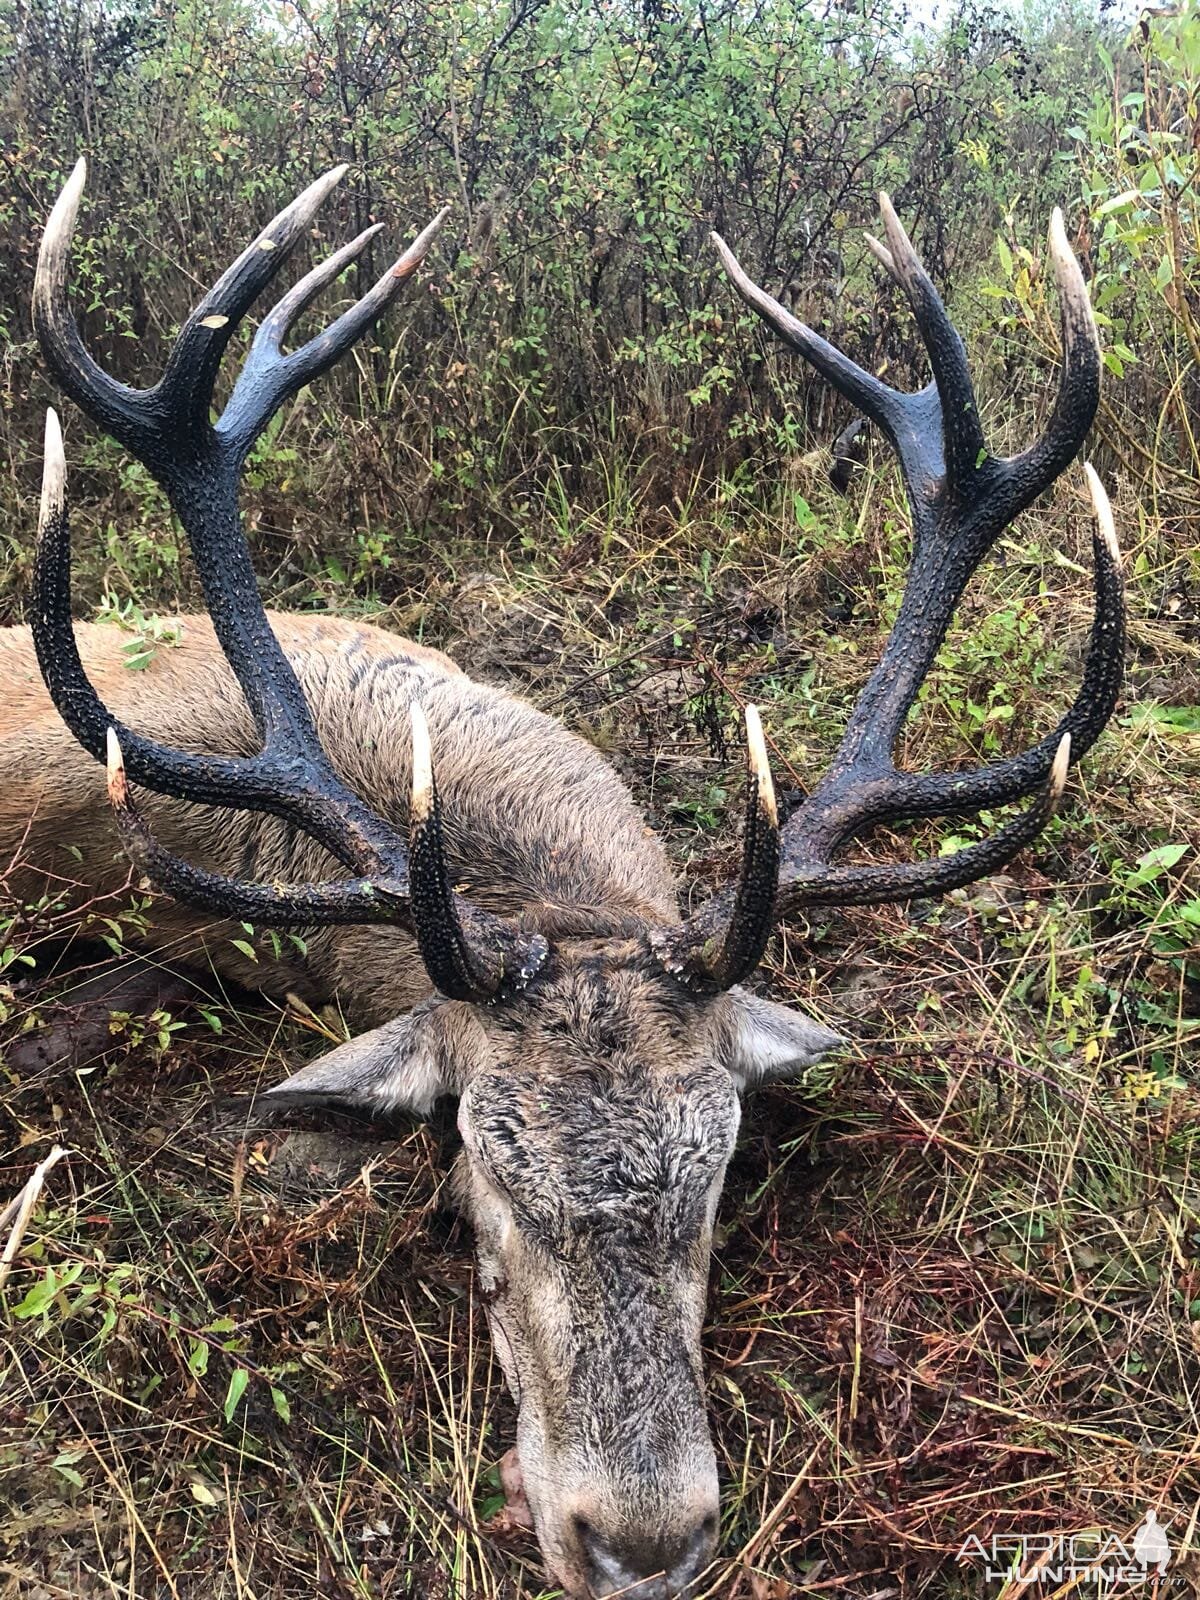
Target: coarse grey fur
pixel 598 1108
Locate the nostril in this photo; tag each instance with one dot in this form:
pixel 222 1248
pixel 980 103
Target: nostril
pixel 698 1549
pixel 615 1566
pixel 607 1556
pixel 703 1535
pixel 649 1566
pixel 693 1551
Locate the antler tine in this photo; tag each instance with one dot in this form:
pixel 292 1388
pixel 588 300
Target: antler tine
pixel 87 384
pixel 269 377
pixel 882 254
pixel 724 941
pixel 469 953
pixel 963 440
pixel 349 831
pixel 875 399
pixel 822 885
pixel 296 906
pixel 274 327
pixel 1078 384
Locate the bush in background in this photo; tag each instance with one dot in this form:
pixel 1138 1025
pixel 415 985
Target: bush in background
pixel 572 340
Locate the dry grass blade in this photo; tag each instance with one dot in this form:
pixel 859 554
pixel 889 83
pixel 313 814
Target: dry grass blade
pixel 19 1210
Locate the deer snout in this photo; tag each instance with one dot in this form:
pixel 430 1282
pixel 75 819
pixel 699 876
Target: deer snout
pixel 645 1564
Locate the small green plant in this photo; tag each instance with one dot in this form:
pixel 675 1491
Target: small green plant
pixel 1146 892
pixel 269 939
pixel 148 632
pixel 155 1030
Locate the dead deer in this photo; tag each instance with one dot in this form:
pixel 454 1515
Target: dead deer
pixel 476 887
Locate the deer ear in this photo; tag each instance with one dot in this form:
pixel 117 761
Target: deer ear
pixel 404 1066
pixel 764 1041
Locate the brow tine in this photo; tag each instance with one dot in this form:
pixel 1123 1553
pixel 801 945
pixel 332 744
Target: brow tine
pixel 302 905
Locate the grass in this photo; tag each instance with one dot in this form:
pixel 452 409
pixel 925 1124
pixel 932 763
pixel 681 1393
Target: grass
pixel 956 1283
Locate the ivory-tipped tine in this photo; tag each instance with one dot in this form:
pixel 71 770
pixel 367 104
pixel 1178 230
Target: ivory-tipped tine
pixel 1078 319
pixel 419 248
pixel 56 240
pixel 724 942
pixel 899 246
pixel 1058 771
pixel 1102 506
pixel 759 766
pixel 422 766
pixel 284 228
pixel 54 473
pixel 118 784
pixel 882 254
pixel 279 320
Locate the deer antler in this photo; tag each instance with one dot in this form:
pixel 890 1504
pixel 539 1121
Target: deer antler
pixel 961 497
pixel 199 464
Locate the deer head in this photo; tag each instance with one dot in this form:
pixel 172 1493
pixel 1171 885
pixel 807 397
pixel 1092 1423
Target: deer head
pixel 598 1069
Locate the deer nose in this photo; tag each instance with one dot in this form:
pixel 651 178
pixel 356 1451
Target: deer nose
pixel 652 1566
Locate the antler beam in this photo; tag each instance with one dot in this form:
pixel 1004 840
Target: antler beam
pixel 961 497
pixel 198 463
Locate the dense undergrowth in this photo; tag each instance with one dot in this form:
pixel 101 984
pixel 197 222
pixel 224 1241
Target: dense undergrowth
pixel 956 1289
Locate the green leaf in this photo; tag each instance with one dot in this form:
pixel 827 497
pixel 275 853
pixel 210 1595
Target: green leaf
pixel 38 1298
pixel 247 949
pixel 1165 855
pixel 238 1379
pixel 1186 719
pixel 1154 863
pixel 280 1401
pixel 42 1296
pixel 1119 202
